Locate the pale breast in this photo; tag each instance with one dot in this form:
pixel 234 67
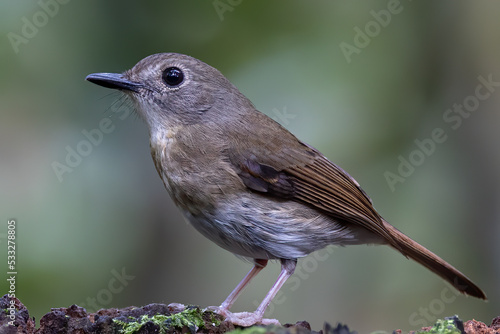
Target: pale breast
pixel 194 171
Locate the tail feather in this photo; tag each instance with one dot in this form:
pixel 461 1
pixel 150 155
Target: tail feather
pixel 417 252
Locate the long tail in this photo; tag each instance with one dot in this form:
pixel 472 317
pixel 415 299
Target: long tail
pixel 419 253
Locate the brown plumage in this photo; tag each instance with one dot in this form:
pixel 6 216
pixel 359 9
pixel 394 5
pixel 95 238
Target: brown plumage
pixel 247 183
pixel 312 179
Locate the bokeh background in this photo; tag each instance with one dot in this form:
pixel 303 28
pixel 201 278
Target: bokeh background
pixel 110 217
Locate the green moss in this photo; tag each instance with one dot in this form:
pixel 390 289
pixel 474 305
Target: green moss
pixel 447 326
pixel 128 327
pixel 250 330
pixel 192 317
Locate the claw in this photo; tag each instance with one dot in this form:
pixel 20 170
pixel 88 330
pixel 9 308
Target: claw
pixel 247 319
pixel 243 319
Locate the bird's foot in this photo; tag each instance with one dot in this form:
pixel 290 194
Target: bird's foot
pixel 243 319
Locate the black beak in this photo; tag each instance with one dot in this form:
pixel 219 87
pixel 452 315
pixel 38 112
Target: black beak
pixel 114 81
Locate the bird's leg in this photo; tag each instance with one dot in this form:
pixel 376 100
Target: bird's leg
pixel 226 305
pixel 287 269
pixel 246 319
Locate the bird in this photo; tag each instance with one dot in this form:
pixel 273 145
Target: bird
pixel 248 184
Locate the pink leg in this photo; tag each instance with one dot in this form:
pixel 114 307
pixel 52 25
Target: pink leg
pixel 246 319
pixel 226 305
pixel 287 269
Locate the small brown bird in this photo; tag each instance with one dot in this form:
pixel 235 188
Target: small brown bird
pixel 247 183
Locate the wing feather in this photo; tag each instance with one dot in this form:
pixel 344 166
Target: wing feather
pixel 309 177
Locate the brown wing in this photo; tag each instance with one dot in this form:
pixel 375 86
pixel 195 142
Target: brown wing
pixel 317 182
pixel 303 174
pixel 329 188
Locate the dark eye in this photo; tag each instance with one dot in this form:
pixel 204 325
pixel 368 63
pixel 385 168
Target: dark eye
pixel 173 76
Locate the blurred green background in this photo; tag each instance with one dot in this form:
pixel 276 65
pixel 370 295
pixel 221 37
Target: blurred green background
pixel 363 108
